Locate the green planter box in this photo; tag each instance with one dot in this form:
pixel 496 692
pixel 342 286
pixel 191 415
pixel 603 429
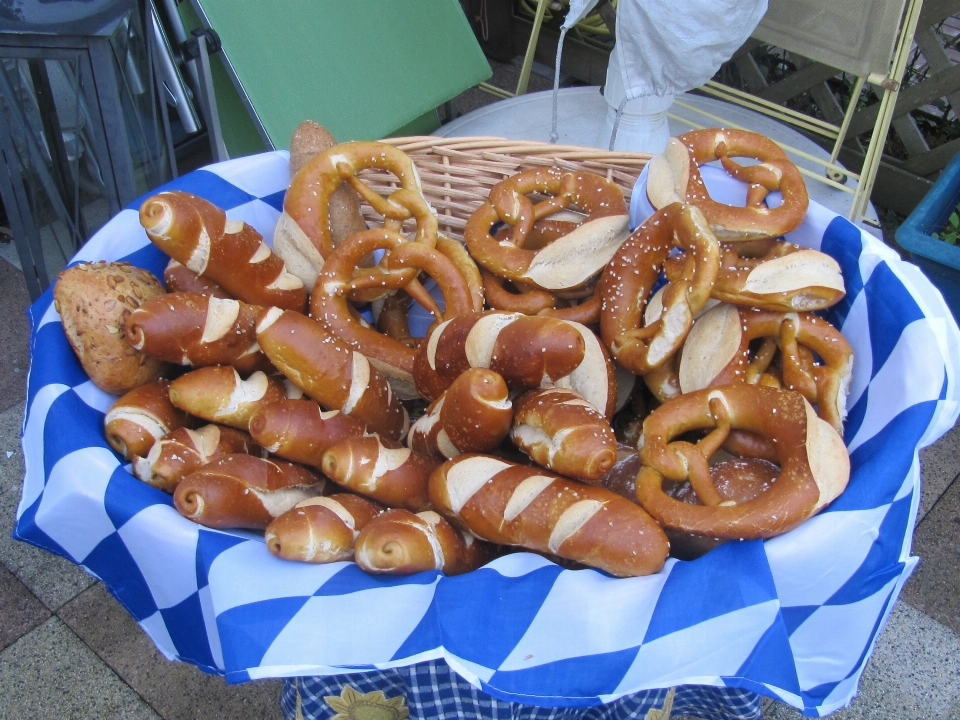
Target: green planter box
pixel 939 260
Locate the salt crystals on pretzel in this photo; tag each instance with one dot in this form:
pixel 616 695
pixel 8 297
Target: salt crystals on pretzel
pixel 570 260
pixel 674 176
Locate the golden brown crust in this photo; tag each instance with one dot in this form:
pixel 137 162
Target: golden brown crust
pixel 219 395
pixel 141 417
pixel 511 504
pixel 320 530
pixel 243 491
pixel 94 301
pixel 300 430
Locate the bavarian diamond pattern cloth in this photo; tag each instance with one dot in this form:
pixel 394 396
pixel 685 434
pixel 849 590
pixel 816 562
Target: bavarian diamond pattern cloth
pixel 793 618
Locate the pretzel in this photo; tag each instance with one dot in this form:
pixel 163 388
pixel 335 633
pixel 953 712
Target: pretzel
pixel 814 465
pixel 629 277
pixel 141 417
pixel 179 278
pixel 300 430
pixel 306 220
pixel 472 415
pixel 533 301
pixel 511 504
pixel 321 529
pixel 787 278
pixel 183 451
pixel 399 542
pixel 528 351
pixel 198 234
pixel 199 330
pixel 674 175
pixel 243 491
pixel 564 433
pixel 718 352
pixel 567 262
pixel 382 470
pixel 330 372
pixel 219 395
pixel 330 302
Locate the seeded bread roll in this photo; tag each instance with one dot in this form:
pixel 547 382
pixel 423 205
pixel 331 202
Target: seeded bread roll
pixel 94 301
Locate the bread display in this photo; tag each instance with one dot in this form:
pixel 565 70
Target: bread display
pixel 560 404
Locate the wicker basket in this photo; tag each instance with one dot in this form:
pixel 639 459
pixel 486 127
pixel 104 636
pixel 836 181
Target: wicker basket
pixel 457 173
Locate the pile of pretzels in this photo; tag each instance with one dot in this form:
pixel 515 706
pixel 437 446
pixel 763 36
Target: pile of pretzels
pixel 601 397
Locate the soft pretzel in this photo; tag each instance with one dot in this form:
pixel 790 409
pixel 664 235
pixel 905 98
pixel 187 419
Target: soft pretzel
pixel 321 529
pixel 141 417
pixel 472 415
pixel 183 451
pixel 674 176
pixel 382 470
pixel 528 351
pixel 788 278
pixel 399 542
pixel 814 465
pixel 568 261
pixel 198 234
pixel 629 277
pixel 722 349
pixel 330 371
pixel 534 301
pixel 199 330
pixel 177 277
pixel 511 504
pixel 564 433
pixel 300 430
pixel 244 491
pixel 218 394
pixel 330 301
pixel 306 205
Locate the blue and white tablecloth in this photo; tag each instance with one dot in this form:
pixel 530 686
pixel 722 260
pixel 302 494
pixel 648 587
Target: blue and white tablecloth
pixel 793 618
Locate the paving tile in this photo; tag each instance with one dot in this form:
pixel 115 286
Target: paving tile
pixel 50 673
pixel 914 673
pixel 53 579
pixel 177 691
pixel 14 336
pixel 934 587
pixel 22 612
pixel 939 466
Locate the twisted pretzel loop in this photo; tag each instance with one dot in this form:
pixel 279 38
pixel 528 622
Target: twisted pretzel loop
pixel 675 175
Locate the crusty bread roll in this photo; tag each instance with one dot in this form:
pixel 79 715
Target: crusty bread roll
pixel 94 301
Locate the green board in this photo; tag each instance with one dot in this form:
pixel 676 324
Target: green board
pixel 362 69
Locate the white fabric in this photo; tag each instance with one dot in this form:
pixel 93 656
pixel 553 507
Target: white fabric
pixel 668 47
pixel 577 11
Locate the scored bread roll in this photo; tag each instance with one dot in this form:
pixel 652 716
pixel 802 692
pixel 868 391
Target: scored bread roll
pixel 244 491
pixel 562 432
pixel 199 330
pixel 218 394
pixel 198 234
pixel 183 450
pixel 472 415
pixel 399 542
pixel 381 469
pixel 141 417
pixel 321 529
pixel 330 372
pixel 510 504
pixel 300 430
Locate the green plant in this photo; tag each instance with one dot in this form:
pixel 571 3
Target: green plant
pixel 951 229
